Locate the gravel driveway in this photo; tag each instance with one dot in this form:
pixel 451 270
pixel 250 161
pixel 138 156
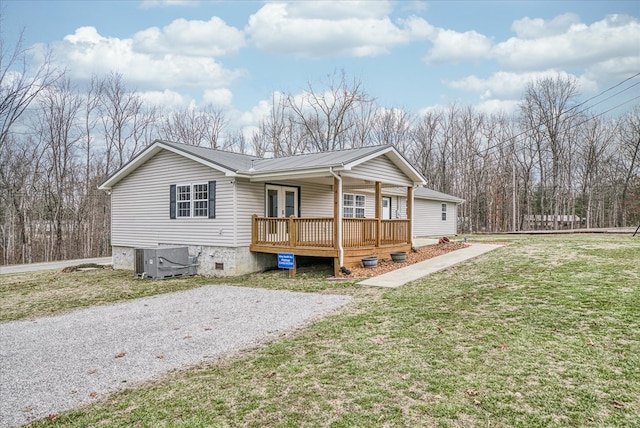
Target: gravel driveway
pixel 51 364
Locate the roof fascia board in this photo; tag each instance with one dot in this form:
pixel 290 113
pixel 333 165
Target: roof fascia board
pixel 147 154
pixel 128 168
pixel 416 195
pixel 351 175
pixel 289 174
pixel 367 158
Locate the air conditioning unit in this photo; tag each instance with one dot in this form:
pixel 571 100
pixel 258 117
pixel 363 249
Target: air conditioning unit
pixel 163 262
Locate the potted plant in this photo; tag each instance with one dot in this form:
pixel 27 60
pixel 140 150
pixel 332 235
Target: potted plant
pixel 399 256
pixel 370 262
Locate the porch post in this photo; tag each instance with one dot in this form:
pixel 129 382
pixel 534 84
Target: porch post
pixel 410 214
pixel 378 212
pixel 293 237
pixel 337 224
pixel 254 229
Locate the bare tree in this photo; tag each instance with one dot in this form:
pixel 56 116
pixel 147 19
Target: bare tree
pixel 119 108
pixel 630 150
pixel 326 116
pixel 214 123
pixel 18 86
pixel 60 132
pixel 547 107
pixel 20 189
pixel 280 129
pixel 594 152
pixel 392 126
pixel 424 138
pixel 195 127
pixel 183 126
pixel 359 134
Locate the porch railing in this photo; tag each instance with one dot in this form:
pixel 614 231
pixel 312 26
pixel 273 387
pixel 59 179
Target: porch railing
pixel 319 232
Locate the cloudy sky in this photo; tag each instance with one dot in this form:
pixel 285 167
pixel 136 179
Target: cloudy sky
pixel 408 54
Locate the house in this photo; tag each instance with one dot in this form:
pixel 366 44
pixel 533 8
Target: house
pixel 236 212
pixel 434 213
pixel 547 222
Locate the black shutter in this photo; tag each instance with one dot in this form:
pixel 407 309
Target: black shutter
pixel 172 201
pixel 212 199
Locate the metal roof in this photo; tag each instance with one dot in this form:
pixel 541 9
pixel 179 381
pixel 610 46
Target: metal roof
pixel 227 160
pixel 316 160
pixel 425 193
pixel 236 164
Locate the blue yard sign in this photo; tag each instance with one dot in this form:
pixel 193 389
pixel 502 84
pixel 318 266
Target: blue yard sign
pixel 285 261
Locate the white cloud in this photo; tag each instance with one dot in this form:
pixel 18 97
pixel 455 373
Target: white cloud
pixel 195 38
pixel 340 9
pixel 497 107
pixel 148 4
pixel 596 55
pixel 579 45
pixel 256 114
pixel 167 99
pixel 501 84
pixel 452 46
pixel 318 29
pixel 218 97
pixel 527 28
pixel 86 52
pixel 502 88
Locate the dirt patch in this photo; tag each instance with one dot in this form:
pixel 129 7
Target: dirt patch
pixel 84 267
pixel 389 265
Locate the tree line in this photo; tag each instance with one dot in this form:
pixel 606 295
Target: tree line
pixel 554 159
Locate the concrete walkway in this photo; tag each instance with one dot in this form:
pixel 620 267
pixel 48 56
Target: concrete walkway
pixel 415 271
pixel 32 267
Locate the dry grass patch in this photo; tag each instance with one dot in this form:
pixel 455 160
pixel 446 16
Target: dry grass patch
pixel 503 340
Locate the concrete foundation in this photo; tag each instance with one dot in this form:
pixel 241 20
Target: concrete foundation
pixel 211 261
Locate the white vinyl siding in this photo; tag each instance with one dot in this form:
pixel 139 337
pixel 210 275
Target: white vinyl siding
pixel 249 201
pixel 429 218
pixel 141 205
pixel 380 169
pixel 316 200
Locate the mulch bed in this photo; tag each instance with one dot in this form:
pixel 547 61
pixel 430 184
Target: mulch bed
pixel 421 254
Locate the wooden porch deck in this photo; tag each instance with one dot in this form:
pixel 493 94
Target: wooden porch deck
pixel 361 237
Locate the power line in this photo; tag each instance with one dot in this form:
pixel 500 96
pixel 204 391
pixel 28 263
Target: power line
pixel 527 131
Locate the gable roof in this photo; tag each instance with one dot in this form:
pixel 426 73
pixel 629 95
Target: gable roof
pixel 259 169
pixel 425 193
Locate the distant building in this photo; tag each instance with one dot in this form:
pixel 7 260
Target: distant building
pixel 546 222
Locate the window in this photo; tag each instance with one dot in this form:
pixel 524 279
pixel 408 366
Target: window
pixel 200 200
pixel 184 201
pixel 444 212
pixel 353 205
pixel 192 200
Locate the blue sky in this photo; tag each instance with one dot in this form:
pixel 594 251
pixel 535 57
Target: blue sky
pixel 408 54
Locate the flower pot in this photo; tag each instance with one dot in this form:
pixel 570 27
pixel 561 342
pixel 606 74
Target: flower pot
pixel 399 256
pixel 370 262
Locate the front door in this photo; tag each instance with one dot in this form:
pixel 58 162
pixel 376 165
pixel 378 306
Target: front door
pixel 282 201
pixel 386 208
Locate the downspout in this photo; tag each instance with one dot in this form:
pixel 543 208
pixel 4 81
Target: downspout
pixel 340 248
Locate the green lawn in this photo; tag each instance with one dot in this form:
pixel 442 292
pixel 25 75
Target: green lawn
pixel 544 332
